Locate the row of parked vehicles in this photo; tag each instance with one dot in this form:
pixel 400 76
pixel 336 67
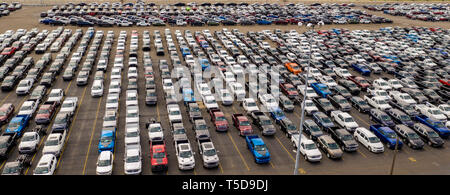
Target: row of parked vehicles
pixel 416 11
pixel 6 9
pixel 180 14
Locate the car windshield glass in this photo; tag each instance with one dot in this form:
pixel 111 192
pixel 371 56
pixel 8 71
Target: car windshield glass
pixel 436 112
pixel 52 142
pixel 221 118
pixel 104 163
pixel 195 109
pixel 26 108
pixel 43 111
pixel 432 134
pixel 176 112
pixel 349 120
pixel 266 122
pixel 210 152
pixel 11 169
pixel 413 136
pixel 41 170
pixel 244 123
pixel 112 100
pixel 251 104
pixel 260 148
pixel 326 103
pixel 326 120
pixel 132 159
pixel 310 146
pixel 28 138
pixel 385 117
pixel 132 134
pixel 54 95
pixel 405 117
pixel 333 146
pixel 373 140
pixel 439 124
pixel 185 154
pixel 391 135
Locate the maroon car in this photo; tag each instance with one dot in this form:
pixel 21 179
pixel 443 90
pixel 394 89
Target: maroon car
pixel 360 81
pixel 6 113
pixel 45 113
pixel 289 90
pixel 219 120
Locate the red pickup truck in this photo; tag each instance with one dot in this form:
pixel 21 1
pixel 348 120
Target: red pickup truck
pixel 360 81
pixel 218 119
pixel 242 123
pixel 158 156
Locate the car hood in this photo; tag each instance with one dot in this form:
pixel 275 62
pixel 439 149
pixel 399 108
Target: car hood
pixel 104 169
pixel 211 159
pixel 43 116
pixel 417 142
pixel 133 166
pixel 314 152
pixel 221 123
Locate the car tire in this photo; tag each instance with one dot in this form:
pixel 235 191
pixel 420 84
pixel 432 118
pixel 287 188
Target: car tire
pixel 306 157
pixel 429 143
pixel 328 155
pixel 343 148
pixel 370 149
pixel 409 144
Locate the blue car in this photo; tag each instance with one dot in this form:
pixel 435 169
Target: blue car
pixel 277 114
pixel 258 148
pixel 263 22
pixel 204 63
pixel 321 89
pixel 437 126
pixel 361 68
pixel 107 140
pixel 204 44
pixel 188 96
pixel 393 58
pixel 17 125
pixel 386 135
pixel 185 51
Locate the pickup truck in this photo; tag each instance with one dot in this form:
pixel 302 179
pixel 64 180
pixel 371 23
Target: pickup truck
pixel 242 123
pixel 263 122
pixel 69 105
pixel 308 148
pixel 185 155
pixel 437 126
pixel 431 112
pixel 345 120
pixel 17 125
pixel 321 89
pixel 360 81
pixel 258 149
pixel 208 152
pixel 377 102
pixel 361 68
pixel 387 135
pixel 158 156
pixel 218 119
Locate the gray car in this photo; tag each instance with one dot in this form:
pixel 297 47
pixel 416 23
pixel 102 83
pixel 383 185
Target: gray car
pixel 193 111
pixel 83 77
pixel 409 136
pixel 416 94
pixel 345 140
pixel 330 147
pixel 286 104
pixel 151 97
pixel 340 102
pixel 312 129
pixel 264 123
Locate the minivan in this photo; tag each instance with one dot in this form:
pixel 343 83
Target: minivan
pixel 97 89
pixel 369 140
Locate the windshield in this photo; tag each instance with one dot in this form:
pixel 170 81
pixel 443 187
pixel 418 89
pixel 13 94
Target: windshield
pixel 348 120
pixel 260 148
pixel 210 152
pixel 52 142
pixel 326 120
pixel 333 146
pixel 10 170
pixel 391 135
pixel 132 134
pixel 373 140
pixel 432 134
pixel 185 154
pixel 439 124
pixel 347 137
pixel 28 138
pixel 132 159
pixel 43 111
pixel 41 170
pixel 385 117
pixel 413 136
pixel 104 163
pixel 310 146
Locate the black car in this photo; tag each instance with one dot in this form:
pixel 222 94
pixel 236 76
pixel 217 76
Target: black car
pixel 428 135
pixel 340 102
pixel 288 127
pixel 359 104
pixel 344 139
pixel 6 144
pixel 350 86
pixel 324 105
pixel 409 136
pixel 9 83
pixel 312 129
pixel 339 90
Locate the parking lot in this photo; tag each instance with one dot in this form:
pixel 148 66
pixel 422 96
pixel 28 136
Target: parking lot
pixel 79 156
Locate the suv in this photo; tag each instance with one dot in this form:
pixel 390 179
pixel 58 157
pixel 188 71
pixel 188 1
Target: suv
pixel 330 147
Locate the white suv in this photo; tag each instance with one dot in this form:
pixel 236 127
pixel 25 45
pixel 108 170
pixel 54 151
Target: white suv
pixel 369 140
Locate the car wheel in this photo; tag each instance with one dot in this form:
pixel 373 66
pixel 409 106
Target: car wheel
pixel 429 143
pixel 409 144
pixel 328 155
pixel 306 157
pixel 343 148
pixel 370 149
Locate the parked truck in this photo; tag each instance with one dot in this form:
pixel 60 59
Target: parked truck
pixel 242 123
pixel 207 150
pixel 17 125
pixel 387 135
pixel 183 150
pixel 377 102
pixel 437 126
pixel 258 149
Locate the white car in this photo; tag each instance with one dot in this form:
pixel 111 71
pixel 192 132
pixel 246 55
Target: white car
pixel 114 88
pixel 203 88
pixel 185 156
pixel 174 113
pixel 132 135
pixel 28 108
pixel 132 161
pixel 264 45
pixel 341 72
pixel 369 140
pixel 310 93
pixel 155 132
pixel 308 148
pixel 379 93
pixel 24 86
pixel 97 89
pixel 377 102
pixel 402 98
pixel 112 102
pixel 314 72
pixel 189 59
pixel 210 102
pixel 237 90
pixel 237 70
pixel 345 120
pixel 168 85
pixel 132 72
pixel 116 73
pixel 381 84
pixel 110 119
pixel 105 163
pixel 431 112
pixel 241 59
pixel 54 144
pixel 310 107
pixel 229 61
pixel 228 77
pixel 268 101
pixel 327 80
pixel 445 108
pixel 226 97
pixel 394 83
pixel 46 165
pixel 132 116
pixel 249 105
pixel 56 95
pixel 69 105
pixel 132 98
pixel 29 143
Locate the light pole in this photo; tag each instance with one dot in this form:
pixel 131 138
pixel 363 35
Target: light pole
pixel 297 157
pixel 395 155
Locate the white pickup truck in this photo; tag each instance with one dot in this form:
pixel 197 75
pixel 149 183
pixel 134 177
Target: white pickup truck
pixel 69 105
pixel 377 102
pixel 379 92
pixel 403 99
pixel 431 111
pixel 345 120
pixel 307 148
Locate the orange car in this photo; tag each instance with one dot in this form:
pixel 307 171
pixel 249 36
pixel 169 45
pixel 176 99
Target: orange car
pixel 293 67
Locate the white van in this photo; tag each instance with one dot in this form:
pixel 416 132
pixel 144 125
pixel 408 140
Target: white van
pixel 97 88
pixel 369 140
pixel 46 165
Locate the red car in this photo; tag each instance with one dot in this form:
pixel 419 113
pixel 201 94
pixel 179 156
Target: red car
pixel 218 119
pixel 360 81
pixel 445 82
pixel 158 156
pixel 45 113
pixel 242 123
pixel 6 113
pixel 289 90
pixel 9 51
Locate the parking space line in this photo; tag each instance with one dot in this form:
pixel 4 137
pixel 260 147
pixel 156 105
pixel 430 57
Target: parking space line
pixel 73 122
pixel 271 164
pixel 285 149
pixel 92 134
pixel 220 167
pixel 235 146
pixel 412 159
pixel 362 154
pixel 4 99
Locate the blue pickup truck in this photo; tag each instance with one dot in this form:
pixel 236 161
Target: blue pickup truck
pixel 437 126
pixel 361 68
pixel 258 148
pixel 386 135
pixel 321 89
pixel 107 140
pixel 204 63
pixel 185 51
pixel 17 125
